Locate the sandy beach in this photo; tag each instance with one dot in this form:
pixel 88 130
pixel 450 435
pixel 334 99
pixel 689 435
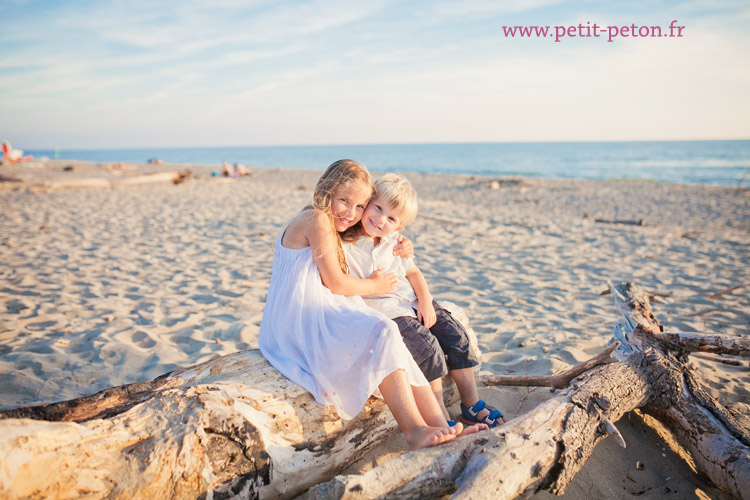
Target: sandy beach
pixel 103 286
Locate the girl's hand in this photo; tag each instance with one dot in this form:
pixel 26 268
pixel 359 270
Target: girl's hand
pixel 426 313
pixel 384 283
pixel 404 248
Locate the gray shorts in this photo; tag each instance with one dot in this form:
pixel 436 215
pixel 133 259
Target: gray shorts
pixel 436 350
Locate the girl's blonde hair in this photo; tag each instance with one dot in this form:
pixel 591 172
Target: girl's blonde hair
pixel 339 174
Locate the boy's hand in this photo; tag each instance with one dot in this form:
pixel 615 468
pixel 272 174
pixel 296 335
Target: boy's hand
pixel 426 313
pixel 384 283
pixel 404 248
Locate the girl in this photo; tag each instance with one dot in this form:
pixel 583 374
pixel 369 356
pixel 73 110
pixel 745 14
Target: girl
pixel 318 333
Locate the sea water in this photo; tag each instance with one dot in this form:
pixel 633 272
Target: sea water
pixel 702 162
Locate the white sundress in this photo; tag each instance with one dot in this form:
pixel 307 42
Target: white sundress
pixel 336 347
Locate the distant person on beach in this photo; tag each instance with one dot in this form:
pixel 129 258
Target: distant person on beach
pixel 11 156
pixel 319 333
pixel 429 331
pixel 236 170
pixel 122 166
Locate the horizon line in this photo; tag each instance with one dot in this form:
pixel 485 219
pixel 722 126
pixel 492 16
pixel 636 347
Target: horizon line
pixel 359 144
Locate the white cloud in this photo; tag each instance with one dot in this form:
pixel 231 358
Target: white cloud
pixel 472 9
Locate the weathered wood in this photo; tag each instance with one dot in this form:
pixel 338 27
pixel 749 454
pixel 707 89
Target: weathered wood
pixel 707 343
pixel 103 404
pixel 547 446
pixel 731 289
pixel 230 425
pixel 233 424
pixel 558 381
pixel 174 176
pixel 719 444
pixel 639 222
pixel 543 448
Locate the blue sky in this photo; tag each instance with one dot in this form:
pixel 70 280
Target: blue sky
pixel 117 74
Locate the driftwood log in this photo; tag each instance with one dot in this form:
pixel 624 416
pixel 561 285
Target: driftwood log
pixel 173 176
pixel 234 427
pixel 546 447
pixel 705 343
pixel 229 426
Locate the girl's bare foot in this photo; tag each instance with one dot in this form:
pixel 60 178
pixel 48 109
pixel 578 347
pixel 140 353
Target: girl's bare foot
pixel 459 429
pixel 471 429
pixel 423 437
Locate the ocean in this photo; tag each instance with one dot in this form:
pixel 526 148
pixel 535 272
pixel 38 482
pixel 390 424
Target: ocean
pixel 702 162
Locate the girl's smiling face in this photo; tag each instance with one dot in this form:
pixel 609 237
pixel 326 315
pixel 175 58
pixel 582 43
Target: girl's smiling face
pixel 348 203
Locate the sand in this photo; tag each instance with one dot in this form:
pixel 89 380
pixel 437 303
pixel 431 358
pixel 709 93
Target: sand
pixel 107 286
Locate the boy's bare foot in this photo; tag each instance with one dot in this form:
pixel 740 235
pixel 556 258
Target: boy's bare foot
pixel 423 437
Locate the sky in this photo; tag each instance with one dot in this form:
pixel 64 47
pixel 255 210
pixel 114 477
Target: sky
pixel 139 74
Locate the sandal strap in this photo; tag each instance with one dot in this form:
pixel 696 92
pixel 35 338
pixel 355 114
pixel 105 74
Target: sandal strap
pixel 495 413
pixel 491 422
pixel 474 410
pixel 470 413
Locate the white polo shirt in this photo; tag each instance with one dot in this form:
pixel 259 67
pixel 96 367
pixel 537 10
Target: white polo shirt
pixel 364 258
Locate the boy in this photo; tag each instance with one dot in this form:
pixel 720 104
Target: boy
pixel 430 333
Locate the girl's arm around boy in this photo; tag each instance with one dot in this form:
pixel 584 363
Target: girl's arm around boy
pixel 313 228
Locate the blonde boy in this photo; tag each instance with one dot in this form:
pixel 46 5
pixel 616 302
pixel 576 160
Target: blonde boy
pixel 437 341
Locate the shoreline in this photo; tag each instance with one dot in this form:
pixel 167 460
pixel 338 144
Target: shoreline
pixel 103 287
pixel 45 170
pixel 705 162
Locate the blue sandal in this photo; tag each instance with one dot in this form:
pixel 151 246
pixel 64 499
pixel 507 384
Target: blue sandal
pixel 469 415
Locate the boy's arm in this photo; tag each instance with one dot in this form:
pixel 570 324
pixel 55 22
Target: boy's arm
pixel 425 309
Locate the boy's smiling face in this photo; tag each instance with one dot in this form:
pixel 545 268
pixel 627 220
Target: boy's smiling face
pixel 380 219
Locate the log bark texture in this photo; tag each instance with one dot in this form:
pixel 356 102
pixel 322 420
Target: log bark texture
pixel 231 426
pixel 544 448
pixel 706 343
pixel 718 442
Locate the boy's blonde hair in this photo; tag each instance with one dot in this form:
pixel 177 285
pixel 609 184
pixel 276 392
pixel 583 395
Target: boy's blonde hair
pixel 341 173
pixel 398 192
